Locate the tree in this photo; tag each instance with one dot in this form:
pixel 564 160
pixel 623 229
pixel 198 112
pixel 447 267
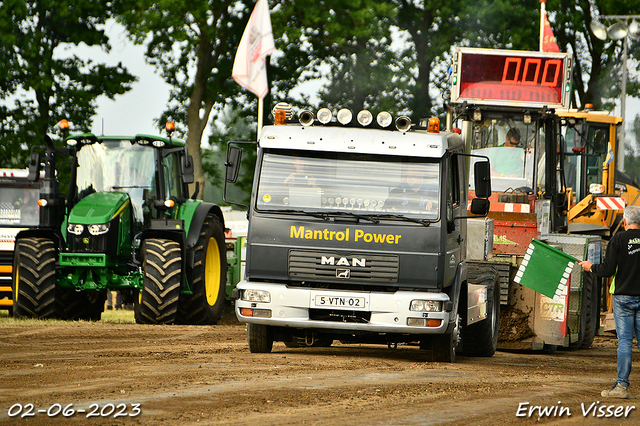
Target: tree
pixel 348 44
pixel 632 151
pixel 193 45
pixel 597 63
pixel 232 125
pixel 39 85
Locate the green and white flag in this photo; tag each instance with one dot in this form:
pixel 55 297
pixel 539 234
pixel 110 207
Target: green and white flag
pixel 545 269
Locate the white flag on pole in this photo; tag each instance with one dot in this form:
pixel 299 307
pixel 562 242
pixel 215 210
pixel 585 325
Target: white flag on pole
pixel 249 66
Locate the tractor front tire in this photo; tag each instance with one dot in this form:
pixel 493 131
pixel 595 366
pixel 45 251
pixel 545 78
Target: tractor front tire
pixel 34 278
pixel 162 267
pixel 208 278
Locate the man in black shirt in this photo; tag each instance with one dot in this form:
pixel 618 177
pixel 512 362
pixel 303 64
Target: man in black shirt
pixel 623 260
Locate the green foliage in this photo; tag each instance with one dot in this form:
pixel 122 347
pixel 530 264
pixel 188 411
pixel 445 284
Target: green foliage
pixel 597 63
pixel 231 126
pixel 632 151
pixel 40 83
pixel 192 43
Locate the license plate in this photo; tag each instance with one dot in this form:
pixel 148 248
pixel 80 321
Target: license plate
pixel 344 302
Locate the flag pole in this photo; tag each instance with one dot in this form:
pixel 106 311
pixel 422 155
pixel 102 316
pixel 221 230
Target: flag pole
pixel 542 16
pixel 260 114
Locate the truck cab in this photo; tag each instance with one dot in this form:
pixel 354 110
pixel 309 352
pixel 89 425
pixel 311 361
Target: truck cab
pixel 356 233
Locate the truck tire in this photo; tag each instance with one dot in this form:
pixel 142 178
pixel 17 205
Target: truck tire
pixel 208 278
pixel 440 347
pixel 481 338
pixel 590 287
pixel 34 278
pixel 260 338
pixel 162 267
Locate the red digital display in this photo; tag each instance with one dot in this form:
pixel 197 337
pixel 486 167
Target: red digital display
pixel 520 78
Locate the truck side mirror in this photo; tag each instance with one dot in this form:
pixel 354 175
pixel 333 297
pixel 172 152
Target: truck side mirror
pixel 187 169
pixel 482 178
pixel 234 154
pixel 480 206
pixel 34 167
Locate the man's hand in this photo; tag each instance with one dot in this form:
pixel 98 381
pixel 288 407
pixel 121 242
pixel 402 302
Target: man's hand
pixel 586 265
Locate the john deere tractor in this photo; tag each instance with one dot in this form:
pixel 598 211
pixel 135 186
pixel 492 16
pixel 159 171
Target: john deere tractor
pixel 125 223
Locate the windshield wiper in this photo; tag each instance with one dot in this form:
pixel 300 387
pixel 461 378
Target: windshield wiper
pixel 320 215
pixel 423 222
pixel 369 217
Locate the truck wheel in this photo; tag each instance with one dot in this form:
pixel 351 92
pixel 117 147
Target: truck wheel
pixel 34 278
pixel 481 338
pixel 590 287
pixel 208 279
pixel 260 338
pixel 162 267
pixel 440 347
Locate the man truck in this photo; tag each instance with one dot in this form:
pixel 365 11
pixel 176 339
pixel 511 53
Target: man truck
pixel 357 233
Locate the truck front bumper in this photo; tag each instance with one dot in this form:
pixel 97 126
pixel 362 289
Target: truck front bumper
pixel 374 312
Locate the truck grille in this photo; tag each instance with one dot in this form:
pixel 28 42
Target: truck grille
pixel 347 267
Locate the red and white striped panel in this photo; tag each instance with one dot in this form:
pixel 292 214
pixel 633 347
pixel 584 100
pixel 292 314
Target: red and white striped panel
pixel 510 207
pixel 610 203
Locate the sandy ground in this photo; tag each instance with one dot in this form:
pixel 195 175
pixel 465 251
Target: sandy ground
pixel 123 373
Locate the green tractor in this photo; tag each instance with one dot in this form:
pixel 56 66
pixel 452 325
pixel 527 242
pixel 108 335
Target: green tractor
pixel 125 223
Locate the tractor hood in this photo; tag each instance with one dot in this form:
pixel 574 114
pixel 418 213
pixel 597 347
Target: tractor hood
pixel 99 207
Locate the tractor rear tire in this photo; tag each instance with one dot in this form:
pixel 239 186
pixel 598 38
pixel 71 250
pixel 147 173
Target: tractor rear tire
pixel 162 267
pixel 34 278
pixel 208 279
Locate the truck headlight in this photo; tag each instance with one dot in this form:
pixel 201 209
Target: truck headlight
pixel 99 229
pixel 426 306
pixel 75 229
pixel 256 296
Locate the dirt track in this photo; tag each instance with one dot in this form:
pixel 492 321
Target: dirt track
pixel 206 375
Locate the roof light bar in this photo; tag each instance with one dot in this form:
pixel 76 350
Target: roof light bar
pixel 305 117
pixel 403 123
pixel 324 115
pixel 364 117
pixel 345 116
pixel 384 119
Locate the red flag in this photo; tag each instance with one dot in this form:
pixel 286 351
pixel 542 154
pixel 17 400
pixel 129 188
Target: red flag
pixel 549 42
pixel 249 67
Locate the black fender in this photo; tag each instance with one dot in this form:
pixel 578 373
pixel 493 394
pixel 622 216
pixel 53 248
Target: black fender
pixel 50 233
pixel 196 225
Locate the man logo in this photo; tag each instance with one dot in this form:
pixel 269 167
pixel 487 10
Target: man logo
pixel 343 261
pixel 343 273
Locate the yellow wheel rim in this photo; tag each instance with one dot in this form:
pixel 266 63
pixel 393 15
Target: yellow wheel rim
pixel 17 283
pixel 212 272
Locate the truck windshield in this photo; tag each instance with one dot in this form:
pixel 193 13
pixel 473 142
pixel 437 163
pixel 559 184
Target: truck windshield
pixel 117 165
pixel 19 205
pixel 330 182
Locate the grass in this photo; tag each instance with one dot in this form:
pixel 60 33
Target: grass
pixel 108 316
